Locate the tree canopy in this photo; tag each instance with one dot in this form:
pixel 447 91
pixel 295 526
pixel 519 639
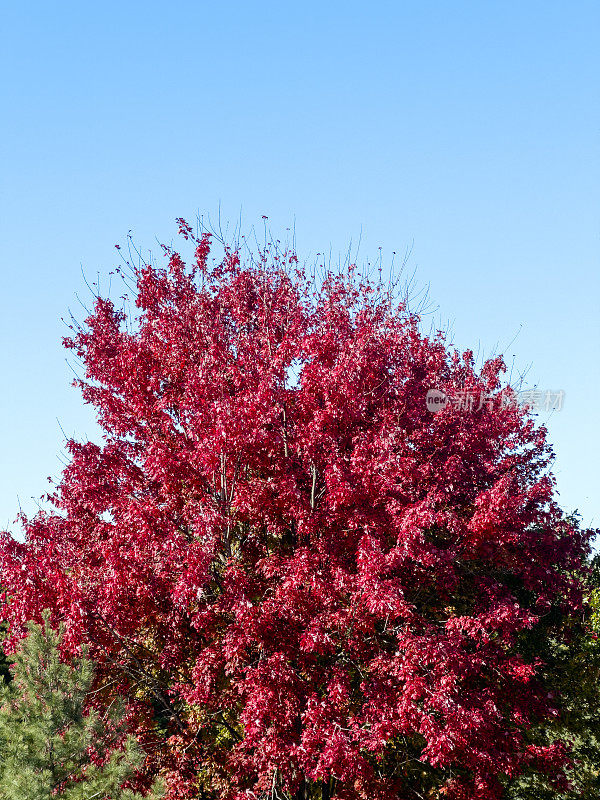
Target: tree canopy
pixel 308 584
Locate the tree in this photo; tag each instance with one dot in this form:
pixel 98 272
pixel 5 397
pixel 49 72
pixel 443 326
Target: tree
pixel 572 672
pixel 52 743
pixel 311 585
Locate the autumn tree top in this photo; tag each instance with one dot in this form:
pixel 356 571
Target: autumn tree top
pixel 312 585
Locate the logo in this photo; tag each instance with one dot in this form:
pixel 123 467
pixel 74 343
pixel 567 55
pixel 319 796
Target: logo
pixel 436 400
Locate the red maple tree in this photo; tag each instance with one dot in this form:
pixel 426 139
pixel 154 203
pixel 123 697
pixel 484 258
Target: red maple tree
pixel 306 583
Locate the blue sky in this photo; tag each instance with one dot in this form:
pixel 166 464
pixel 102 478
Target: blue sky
pixel 467 131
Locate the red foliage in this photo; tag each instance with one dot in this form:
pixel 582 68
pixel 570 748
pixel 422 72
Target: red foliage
pixel 309 582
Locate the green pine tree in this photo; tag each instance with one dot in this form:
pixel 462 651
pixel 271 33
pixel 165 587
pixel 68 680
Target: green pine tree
pixel 48 733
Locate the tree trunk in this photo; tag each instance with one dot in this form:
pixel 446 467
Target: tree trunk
pixel 302 791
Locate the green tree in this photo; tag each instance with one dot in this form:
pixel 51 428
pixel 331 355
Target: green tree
pixel 572 674
pixel 53 744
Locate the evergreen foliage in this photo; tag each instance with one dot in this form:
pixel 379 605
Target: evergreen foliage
pixel 52 743
pixel 572 677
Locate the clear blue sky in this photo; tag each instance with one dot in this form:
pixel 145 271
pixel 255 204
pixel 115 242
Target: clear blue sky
pixel 469 131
